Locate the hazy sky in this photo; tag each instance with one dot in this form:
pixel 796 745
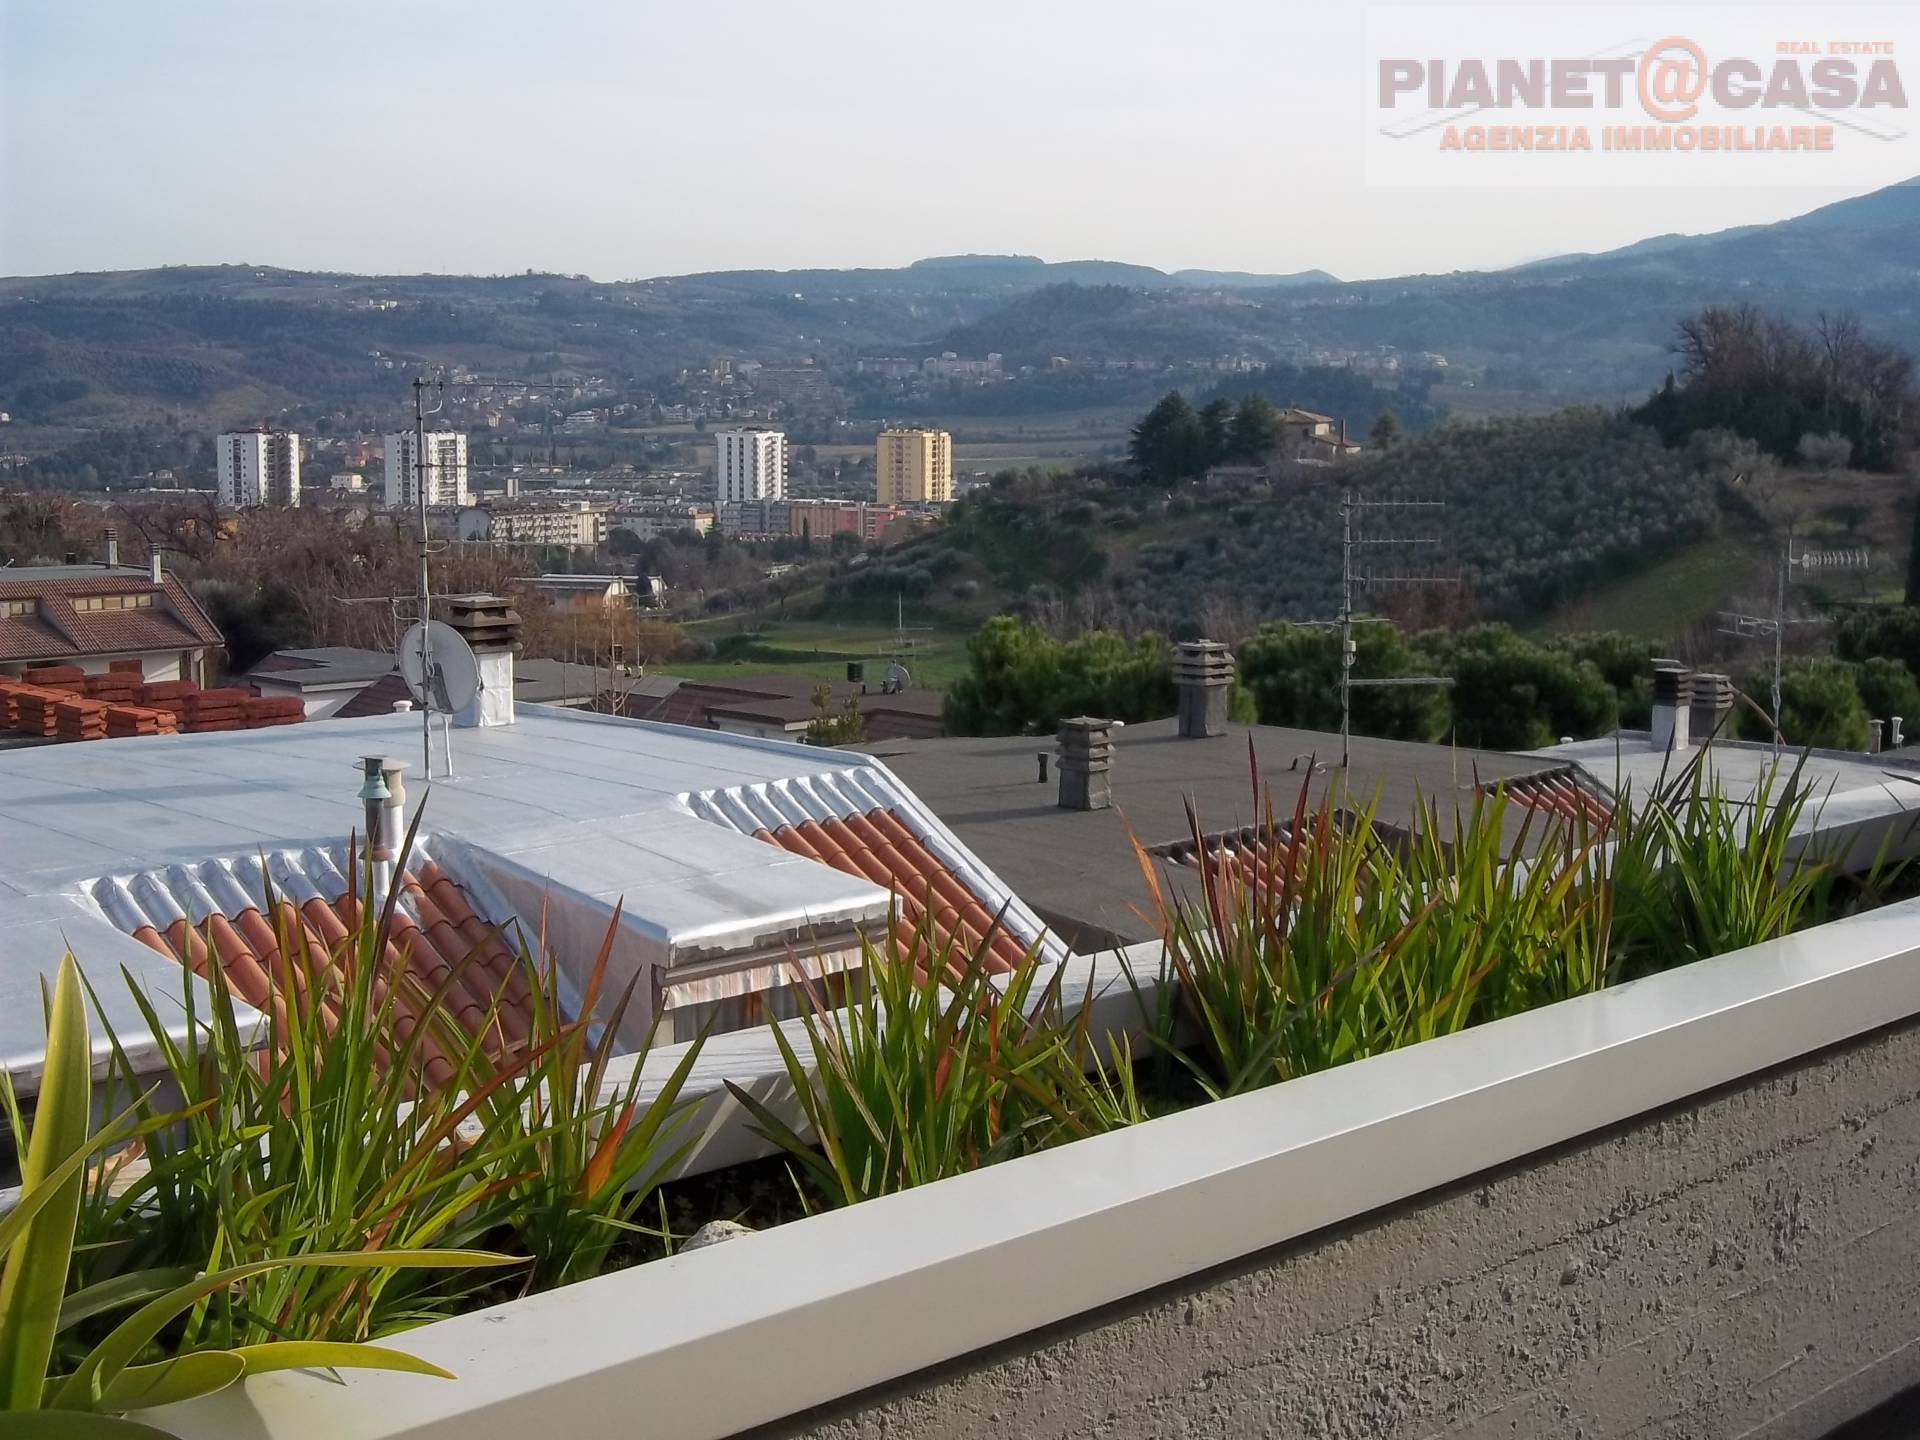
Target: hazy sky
pixel 634 138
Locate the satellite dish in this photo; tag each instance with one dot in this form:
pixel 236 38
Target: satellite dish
pixel 447 678
pixel 898 679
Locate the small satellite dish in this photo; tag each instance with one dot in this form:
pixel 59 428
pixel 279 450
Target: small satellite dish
pixel 898 679
pixel 447 677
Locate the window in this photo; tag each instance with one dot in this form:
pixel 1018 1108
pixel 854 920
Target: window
pixel 114 602
pixel 10 609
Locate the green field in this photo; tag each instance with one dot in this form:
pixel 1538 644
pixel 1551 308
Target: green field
pixel 1663 601
pixel 820 650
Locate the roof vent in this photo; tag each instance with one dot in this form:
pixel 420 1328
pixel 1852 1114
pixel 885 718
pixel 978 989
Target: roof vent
pixel 113 549
pixel 1672 701
pixel 1710 716
pixel 1203 678
pixel 1086 764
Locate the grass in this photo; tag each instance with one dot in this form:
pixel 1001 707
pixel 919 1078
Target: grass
pixel 1665 600
pixel 820 649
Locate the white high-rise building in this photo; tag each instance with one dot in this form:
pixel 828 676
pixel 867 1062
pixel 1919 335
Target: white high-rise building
pixel 258 467
pixel 446 469
pixel 750 464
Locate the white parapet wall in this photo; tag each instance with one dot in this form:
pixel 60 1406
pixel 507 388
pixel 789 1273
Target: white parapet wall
pixel 762 1328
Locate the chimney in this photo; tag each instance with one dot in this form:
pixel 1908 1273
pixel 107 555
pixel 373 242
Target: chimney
pixel 373 799
pixel 1875 730
pixel 1894 738
pixel 1672 700
pixel 153 568
pixel 1711 713
pixel 1086 764
pixel 491 627
pixel 1202 677
pixel 393 816
pixel 113 549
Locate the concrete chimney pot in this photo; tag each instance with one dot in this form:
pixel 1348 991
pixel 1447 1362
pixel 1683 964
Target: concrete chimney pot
pixel 1710 713
pixel 1875 730
pixel 491 627
pixel 113 548
pixel 1086 763
pixel 153 568
pixel 1672 704
pixel 1203 680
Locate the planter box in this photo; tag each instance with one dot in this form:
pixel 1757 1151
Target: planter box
pixel 1681 1207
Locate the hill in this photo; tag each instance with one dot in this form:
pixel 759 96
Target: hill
pixel 1581 519
pixel 202 345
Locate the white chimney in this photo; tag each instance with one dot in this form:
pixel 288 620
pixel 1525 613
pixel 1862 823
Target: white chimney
pixel 1672 705
pixel 153 568
pixel 113 548
pixel 491 627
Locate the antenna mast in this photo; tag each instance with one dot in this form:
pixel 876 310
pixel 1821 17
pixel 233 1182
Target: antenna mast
pixel 420 384
pixel 1351 544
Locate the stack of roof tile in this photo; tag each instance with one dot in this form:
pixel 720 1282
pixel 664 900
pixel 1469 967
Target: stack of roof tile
pixel 209 710
pixel 64 677
pixel 115 687
pixel 33 709
pixel 76 718
pixel 263 712
pixel 126 720
pixel 168 695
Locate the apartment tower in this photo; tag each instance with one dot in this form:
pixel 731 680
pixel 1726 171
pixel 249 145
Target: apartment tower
pixel 446 469
pixel 258 467
pixel 749 464
pixel 913 467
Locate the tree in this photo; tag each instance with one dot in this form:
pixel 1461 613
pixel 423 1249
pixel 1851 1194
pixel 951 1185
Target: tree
pixel 1169 443
pixel 1820 705
pixel 1255 430
pixel 1293 675
pixel 1022 680
pixel 1216 423
pixel 1386 431
pixel 1887 688
pixel 831 725
pixel 1913 559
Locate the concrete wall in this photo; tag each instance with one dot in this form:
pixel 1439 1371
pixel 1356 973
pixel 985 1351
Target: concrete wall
pixel 1742 1264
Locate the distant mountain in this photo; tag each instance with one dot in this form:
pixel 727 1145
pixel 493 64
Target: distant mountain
pixel 1860 243
pixel 988 274
pixel 207 344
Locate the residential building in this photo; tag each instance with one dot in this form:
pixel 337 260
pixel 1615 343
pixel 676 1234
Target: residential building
pixel 579 525
pixel 776 707
pixel 913 466
pixel 97 617
pixel 821 520
pixel 801 386
pixel 645 525
pixel 258 467
pixel 749 464
pixel 343 682
pixel 583 594
pixel 445 466
pixel 949 366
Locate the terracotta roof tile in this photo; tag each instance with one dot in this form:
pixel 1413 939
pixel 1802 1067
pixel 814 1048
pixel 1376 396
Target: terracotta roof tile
pixel 1557 792
pixel 436 942
pixel 878 847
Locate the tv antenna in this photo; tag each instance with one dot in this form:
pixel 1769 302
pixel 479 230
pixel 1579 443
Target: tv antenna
pixel 1356 578
pixel 1794 569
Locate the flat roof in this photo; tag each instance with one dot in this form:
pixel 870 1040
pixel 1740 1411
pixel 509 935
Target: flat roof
pixel 1077 868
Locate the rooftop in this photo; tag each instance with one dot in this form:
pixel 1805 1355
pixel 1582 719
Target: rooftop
pixel 563 815
pixel 59 627
pixel 1077 868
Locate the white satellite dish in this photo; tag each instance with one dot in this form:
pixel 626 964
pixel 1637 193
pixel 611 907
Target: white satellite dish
pixel 898 679
pixel 446 678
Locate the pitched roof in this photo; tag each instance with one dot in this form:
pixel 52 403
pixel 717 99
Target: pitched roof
pixel 252 912
pixel 58 630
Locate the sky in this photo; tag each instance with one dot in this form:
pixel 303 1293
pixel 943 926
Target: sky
pixel 634 138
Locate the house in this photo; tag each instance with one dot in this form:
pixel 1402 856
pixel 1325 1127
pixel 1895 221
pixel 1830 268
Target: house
pixel 97 616
pixel 344 682
pixel 582 594
pixel 781 706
